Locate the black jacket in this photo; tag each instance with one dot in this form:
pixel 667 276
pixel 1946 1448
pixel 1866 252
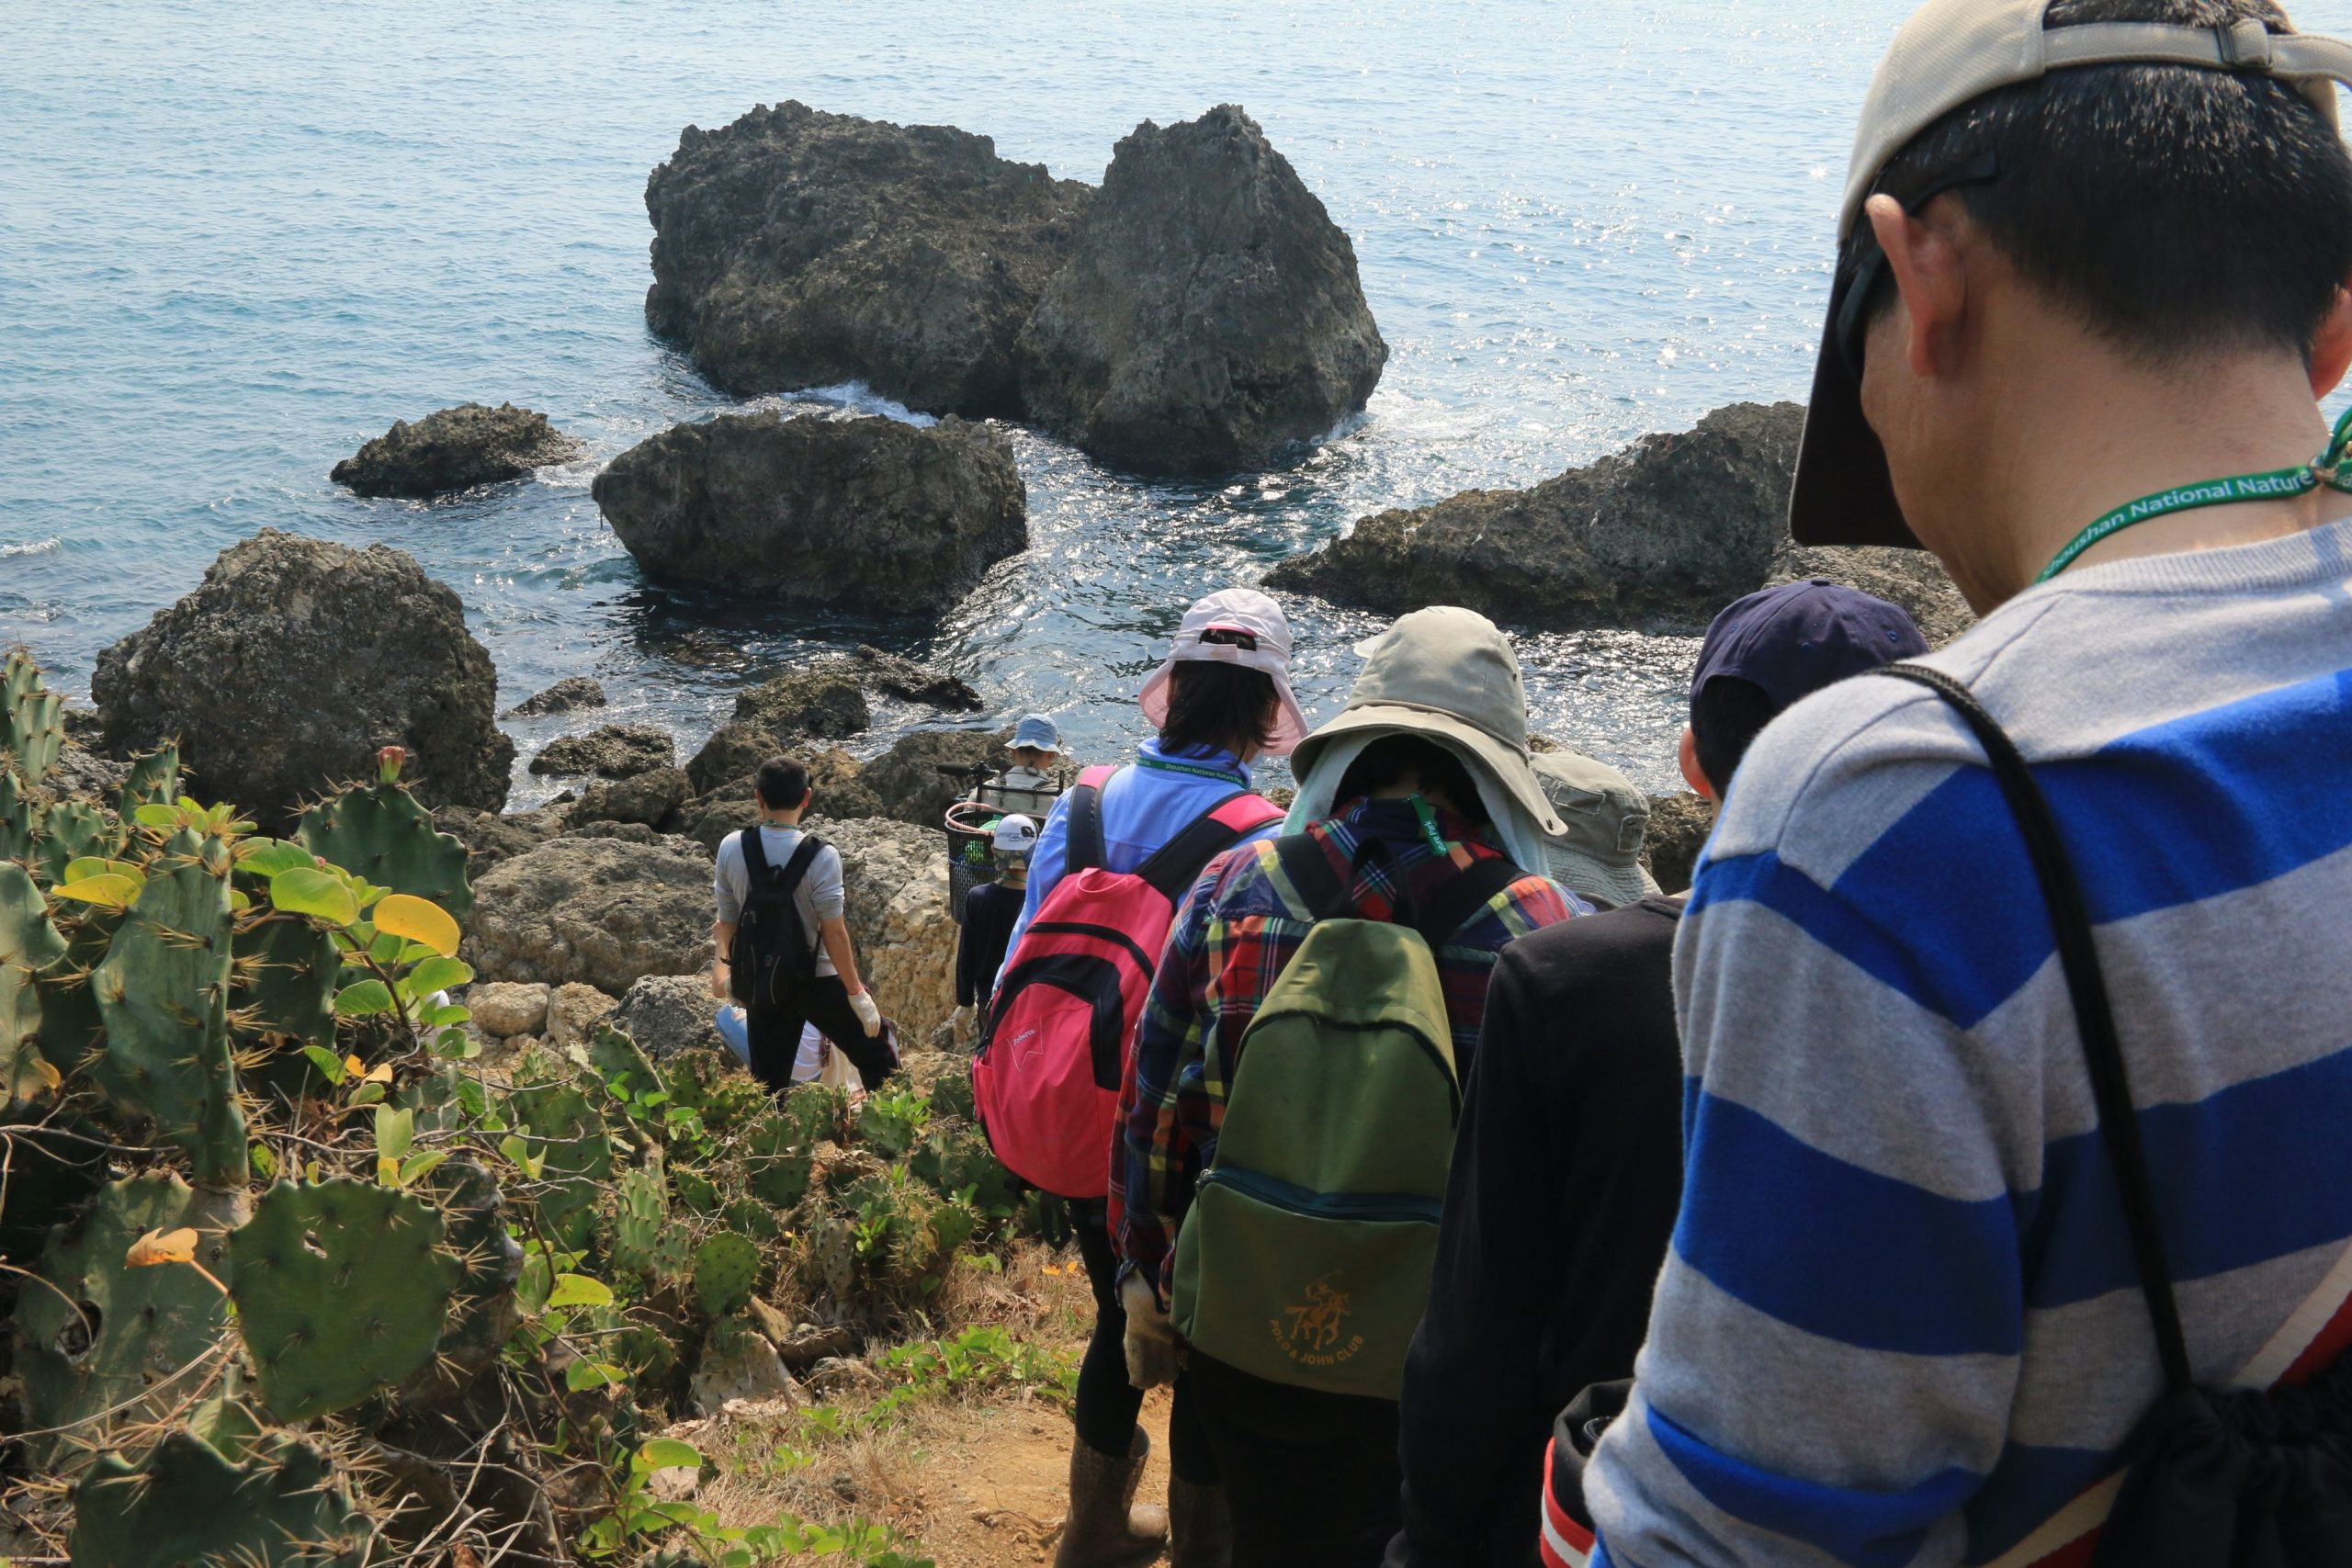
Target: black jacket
pixel 1566 1173
pixel 989 910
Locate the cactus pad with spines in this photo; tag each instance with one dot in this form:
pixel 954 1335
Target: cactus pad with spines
pixel 284 980
pixel 342 1289
pixel 776 1162
pixel 727 1269
pixel 31 732
pixel 15 817
pixel 154 779
pixel 99 1331
pixel 185 1505
pixel 951 1160
pixel 381 832
pixel 639 1208
pixel 162 994
pixel 483 1313
pixel 753 1218
pixel 28 943
pixel 71 830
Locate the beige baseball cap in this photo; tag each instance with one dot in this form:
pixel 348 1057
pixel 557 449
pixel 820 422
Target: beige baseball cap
pixel 1948 52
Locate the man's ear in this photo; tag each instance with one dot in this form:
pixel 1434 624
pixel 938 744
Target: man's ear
pixel 806 796
pixel 1687 754
pixel 2332 346
pixel 1930 274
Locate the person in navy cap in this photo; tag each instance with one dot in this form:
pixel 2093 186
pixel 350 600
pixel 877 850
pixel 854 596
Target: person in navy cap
pixel 1568 1163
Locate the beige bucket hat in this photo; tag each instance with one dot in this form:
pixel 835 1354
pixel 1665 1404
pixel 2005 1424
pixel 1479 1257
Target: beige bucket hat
pixel 1600 855
pixel 1447 673
pixel 1948 52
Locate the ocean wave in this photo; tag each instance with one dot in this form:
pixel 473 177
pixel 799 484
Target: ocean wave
pixel 33 547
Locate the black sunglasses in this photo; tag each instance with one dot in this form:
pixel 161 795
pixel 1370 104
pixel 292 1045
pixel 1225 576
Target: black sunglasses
pixel 1869 262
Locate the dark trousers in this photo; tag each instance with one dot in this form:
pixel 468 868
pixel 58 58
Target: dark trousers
pixel 823 1000
pixel 1312 1478
pixel 1107 1403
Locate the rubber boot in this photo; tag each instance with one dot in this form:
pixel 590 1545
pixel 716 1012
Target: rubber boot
pixel 1201 1526
pixel 1105 1530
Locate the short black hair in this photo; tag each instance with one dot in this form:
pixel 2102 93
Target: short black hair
pixel 2179 209
pixel 783 784
pixel 1214 706
pixel 1394 757
pixel 1727 716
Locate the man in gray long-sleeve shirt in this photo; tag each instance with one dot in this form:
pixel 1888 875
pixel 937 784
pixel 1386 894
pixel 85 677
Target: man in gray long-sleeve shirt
pixel 2074 342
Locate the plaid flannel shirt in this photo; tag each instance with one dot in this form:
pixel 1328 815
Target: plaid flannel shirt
pixel 1236 929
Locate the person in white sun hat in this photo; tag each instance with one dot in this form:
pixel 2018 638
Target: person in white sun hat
pixel 2015 1225
pixel 1220 700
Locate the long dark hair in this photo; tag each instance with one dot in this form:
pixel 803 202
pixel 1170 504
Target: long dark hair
pixel 1218 707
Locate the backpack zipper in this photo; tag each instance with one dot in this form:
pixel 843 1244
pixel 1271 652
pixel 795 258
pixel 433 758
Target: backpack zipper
pixel 1276 1193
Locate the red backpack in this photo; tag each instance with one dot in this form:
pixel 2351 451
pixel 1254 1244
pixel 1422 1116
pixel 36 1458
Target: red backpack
pixel 1045 1080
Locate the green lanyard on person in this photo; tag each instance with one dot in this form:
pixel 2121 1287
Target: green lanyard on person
pixel 1162 765
pixel 1437 841
pixel 2276 485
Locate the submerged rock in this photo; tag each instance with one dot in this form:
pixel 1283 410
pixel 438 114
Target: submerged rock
pixel 610 751
pixel 795 248
pixel 572 691
pixel 330 653
pixel 864 514
pixel 456 448
pixel 598 912
pixel 1913 578
pixel 1210 313
pixel 1667 531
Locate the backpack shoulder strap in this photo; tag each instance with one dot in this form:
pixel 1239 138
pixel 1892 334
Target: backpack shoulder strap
pixel 1087 852
pixel 755 854
pixel 803 855
pixel 1309 869
pixel 1460 901
pixel 2094 1012
pixel 1175 864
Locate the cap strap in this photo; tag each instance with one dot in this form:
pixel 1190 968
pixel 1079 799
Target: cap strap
pixel 2245 45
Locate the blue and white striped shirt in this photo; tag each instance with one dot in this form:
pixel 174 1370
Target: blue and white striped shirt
pixel 1899 1326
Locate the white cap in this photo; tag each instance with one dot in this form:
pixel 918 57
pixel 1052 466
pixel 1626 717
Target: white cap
pixel 1256 616
pixel 1015 835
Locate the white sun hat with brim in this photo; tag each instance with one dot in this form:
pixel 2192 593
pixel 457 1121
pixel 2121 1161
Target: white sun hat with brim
pixel 1015 835
pixel 1448 675
pixel 1252 633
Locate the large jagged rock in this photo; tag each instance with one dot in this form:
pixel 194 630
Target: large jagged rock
pixel 456 448
pixel 865 513
pixel 669 1013
pixel 894 876
pixel 572 691
pixel 1210 313
pixel 796 248
pixel 1678 826
pixel 834 775
pixel 652 798
pixel 906 782
pixel 599 911
pixel 824 701
pixel 294 662
pixel 609 751
pixel 1664 533
pixel 491 837
pixel 1913 578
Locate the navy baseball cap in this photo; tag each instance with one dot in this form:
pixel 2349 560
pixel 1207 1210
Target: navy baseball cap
pixel 1796 638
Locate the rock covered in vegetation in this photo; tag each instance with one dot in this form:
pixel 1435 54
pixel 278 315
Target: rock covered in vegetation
pixel 795 248
pixel 572 691
pixel 330 653
pixel 863 512
pixel 456 448
pixel 1913 578
pixel 1210 313
pixel 598 912
pixel 610 751
pixel 1667 531
pixel 1678 826
pixel 669 1013
pixel 896 880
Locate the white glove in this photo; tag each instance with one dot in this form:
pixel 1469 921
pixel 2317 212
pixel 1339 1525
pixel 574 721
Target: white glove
pixel 1152 1347
pixel 965 1020
pixel 867 1013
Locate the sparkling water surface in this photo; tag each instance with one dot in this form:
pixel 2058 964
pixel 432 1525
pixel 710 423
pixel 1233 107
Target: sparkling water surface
pixel 237 240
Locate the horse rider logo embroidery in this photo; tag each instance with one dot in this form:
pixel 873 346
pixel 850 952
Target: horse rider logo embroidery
pixel 1313 1334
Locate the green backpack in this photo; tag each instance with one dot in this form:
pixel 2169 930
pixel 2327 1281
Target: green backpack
pixel 1305 1257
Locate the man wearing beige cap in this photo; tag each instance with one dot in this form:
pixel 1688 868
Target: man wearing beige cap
pixel 1941 1251
pixel 1417 808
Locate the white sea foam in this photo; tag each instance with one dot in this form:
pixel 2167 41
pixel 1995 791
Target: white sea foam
pixel 32 548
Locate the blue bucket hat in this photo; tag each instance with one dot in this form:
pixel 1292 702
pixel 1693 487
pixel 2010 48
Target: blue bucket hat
pixel 1038 731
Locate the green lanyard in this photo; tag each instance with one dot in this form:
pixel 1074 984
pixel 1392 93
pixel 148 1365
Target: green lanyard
pixel 1161 766
pixel 2278 484
pixel 1430 835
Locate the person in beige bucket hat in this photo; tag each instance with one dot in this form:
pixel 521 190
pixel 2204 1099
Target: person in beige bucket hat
pixel 1599 857
pixel 2002 1208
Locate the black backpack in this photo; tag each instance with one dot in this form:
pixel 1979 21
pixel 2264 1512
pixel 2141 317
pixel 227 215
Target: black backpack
pixel 774 953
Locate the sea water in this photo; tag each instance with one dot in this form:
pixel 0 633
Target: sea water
pixel 237 240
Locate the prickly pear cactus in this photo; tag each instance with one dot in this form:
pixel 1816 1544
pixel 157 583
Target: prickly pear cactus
pixel 952 1095
pixel 380 832
pixel 100 1331
pixel 817 1112
pixel 15 819
pixel 187 1505
pixel 284 970
pixel 162 994
pixel 831 1256
pixel 30 730
pixel 576 1147
pixel 484 1311
pixel 753 1218
pixel 342 1289
pixel 154 779
pixel 28 943
pixel 776 1162
pixel 71 830
pixel 714 1087
pixel 639 1210
pixel 727 1269
pixel 952 1161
